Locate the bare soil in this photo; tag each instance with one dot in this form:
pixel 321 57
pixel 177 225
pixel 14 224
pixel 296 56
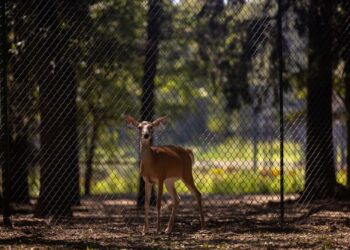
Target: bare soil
pixel 231 223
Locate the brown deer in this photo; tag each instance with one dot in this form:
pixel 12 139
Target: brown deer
pixel 164 165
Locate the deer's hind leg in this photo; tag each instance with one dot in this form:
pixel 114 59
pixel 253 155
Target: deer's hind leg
pixel 194 191
pixel 170 186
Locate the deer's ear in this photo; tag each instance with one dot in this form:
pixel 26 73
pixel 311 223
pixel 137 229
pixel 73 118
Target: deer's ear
pixel 131 121
pixel 160 121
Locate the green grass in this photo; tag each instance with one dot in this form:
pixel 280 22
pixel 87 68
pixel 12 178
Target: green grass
pixel 214 181
pixel 341 177
pixel 238 149
pixel 237 182
pixel 234 178
pixel 211 181
pixel 116 183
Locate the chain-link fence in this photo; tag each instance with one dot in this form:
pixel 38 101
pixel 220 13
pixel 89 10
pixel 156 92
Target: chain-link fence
pixel 216 69
pixel 316 105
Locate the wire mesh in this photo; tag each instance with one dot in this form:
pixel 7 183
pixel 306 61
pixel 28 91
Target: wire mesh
pixel 316 55
pixel 77 67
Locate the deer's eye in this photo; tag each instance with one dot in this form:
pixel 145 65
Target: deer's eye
pixel 139 127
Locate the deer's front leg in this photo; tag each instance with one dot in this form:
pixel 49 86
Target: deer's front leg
pixel 175 200
pixel 159 203
pixel 148 190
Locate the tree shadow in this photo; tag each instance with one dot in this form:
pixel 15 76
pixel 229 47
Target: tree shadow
pixel 118 223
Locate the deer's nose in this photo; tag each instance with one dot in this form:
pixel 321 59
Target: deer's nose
pixel 146 136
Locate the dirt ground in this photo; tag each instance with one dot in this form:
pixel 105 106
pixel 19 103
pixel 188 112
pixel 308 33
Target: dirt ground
pixel 231 224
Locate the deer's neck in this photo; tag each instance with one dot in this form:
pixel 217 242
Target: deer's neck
pixel 146 154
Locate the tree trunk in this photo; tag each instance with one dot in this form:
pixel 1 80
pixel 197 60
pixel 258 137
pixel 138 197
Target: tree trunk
pixel 59 152
pixel 59 179
pixel 20 98
pixel 347 106
pixel 150 70
pixel 20 148
pixel 256 111
pixel 320 170
pixel 4 131
pixel 90 157
pixel 20 159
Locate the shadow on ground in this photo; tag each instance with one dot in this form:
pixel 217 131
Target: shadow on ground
pixel 231 223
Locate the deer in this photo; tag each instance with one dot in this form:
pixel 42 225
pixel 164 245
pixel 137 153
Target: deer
pixel 164 165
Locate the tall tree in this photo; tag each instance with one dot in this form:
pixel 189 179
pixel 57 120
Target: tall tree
pixel 21 104
pixel 4 142
pixel 155 16
pixel 20 158
pixel 90 157
pixel 230 36
pixel 320 169
pixel 342 37
pixel 111 55
pixel 59 175
pixel 347 107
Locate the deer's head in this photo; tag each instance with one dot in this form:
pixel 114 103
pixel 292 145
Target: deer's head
pixel 145 127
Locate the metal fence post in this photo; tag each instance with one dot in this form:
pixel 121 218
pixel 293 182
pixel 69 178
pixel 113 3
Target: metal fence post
pixel 280 82
pixel 4 133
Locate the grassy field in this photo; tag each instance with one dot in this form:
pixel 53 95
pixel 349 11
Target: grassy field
pixel 216 181
pixel 227 168
pixel 224 168
pixel 239 149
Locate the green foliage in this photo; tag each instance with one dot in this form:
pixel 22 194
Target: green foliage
pixel 33 182
pixel 239 149
pixel 241 182
pixel 116 183
pixel 214 181
pixel 109 73
pixel 123 179
pixel 341 177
